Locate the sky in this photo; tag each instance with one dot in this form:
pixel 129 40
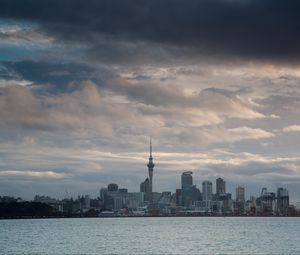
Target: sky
pixel 84 84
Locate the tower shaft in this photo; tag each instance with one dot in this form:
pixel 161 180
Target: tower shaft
pixel 150 166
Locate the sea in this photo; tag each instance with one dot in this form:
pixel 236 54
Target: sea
pixel 161 235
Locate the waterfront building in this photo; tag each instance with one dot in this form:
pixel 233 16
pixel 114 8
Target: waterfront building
pixel 282 203
pixel 207 193
pixel 155 197
pixel 266 202
pixel 45 199
pixel 108 195
pixel 109 203
pixel 190 201
pixel 200 206
pixel 166 197
pixel 130 200
pixel 134 200
pixel 178 197
pixel 240 194
pixel 103 195
pixel 225 199
pixel 122 191
pixel 190 195
pixel 146 189
pixel 145 186
pixel 186 180
pixel 240 200
pixel 217 207
pixel 220 186
pixel 112 187
pixel 119 202
pixel 252 201
pixel 189 192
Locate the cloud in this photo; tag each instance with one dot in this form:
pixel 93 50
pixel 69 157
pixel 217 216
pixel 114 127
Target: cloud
pixel 119 105
pixel 85 83
pixel 20 82
pixel 202 105
pixel 32 174
pixel 20 106
pixel 249 133
pixel 220 135
pixel 292 128
pixel 257 29
pixel 86 167
pixel 56 76
pixel 19 35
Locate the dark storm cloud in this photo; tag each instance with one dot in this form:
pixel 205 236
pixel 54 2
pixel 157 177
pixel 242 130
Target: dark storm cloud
pixel 259 29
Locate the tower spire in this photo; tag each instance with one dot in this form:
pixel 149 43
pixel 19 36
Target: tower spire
pixel 150 146
pixel 150 165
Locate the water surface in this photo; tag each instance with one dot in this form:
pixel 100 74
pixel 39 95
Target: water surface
pixel 151 236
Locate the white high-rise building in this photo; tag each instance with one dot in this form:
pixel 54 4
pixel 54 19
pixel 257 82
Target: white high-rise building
pixel 207 193
pixel 240 194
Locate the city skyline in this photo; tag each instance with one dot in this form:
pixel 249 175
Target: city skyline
pixel 198 181
pixel 188 200
pixel 208 192
pixel 84 84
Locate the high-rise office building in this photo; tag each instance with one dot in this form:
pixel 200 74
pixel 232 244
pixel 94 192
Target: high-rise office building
pixel 178 196
pixel 239 204
pixel 240 194
pixel 103 196
pixel 189 192
pixel 207 193
pixel 186 180
pixel 112 187
pixel 267 202
pixel 145 188
pixel 252 201
pixel 283 202
pixel 220 186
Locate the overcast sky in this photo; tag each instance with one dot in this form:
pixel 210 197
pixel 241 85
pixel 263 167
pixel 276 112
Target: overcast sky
pixel 85 83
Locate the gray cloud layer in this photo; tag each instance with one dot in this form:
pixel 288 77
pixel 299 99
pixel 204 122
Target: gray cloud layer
pixel 257 29
pixel 83 84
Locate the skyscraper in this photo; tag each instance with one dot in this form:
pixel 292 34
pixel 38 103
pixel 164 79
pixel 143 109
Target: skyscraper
pixel 240 194
pixel 267 201
pixel 207 193
pixel 186 180
pixel 189 192
pixel 145 186
pixel 220 186
pixel 282 201
pixel 112 187
pixel 239 205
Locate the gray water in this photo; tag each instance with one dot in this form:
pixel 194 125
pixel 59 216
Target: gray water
pixel 151 236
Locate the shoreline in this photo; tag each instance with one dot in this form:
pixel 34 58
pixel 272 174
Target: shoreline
pixel 103 217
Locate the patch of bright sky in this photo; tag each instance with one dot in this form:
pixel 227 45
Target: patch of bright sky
pixel 13 53
pixel 13 49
